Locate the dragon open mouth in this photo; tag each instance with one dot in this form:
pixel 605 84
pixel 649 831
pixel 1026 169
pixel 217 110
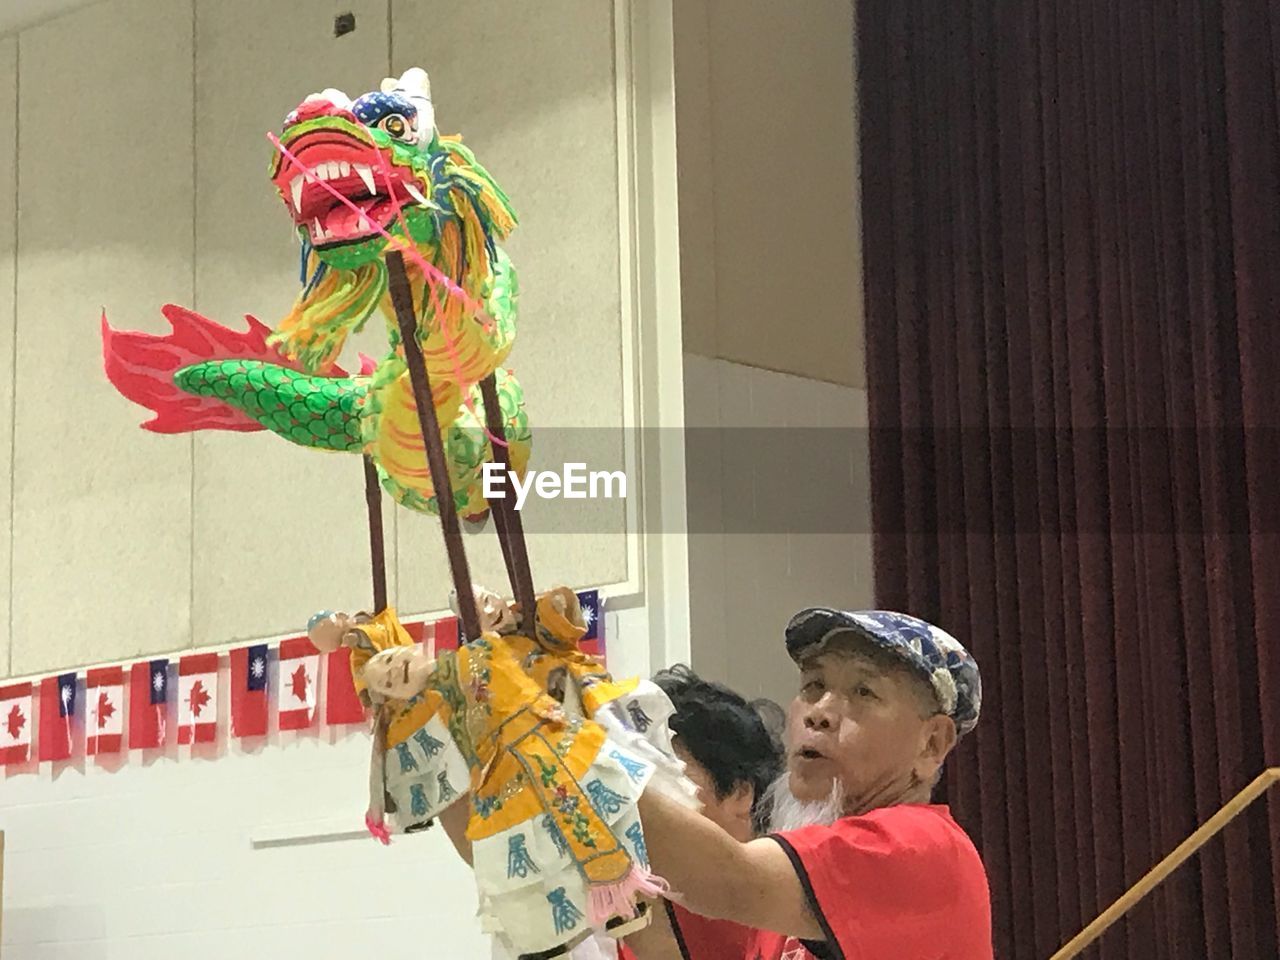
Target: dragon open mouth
pixel 357 170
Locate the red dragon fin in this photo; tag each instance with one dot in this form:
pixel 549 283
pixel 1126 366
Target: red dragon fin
pixel 142 366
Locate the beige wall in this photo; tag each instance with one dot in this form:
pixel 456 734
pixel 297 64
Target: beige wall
pixel 772 306
pixel 101 511
pixel 770 240
pixel 8 141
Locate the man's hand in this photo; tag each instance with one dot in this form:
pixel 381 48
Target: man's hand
pixel 714 875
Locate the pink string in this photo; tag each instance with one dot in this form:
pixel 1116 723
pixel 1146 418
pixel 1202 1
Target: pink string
pixel 486 321
pixel 430 270
pixel 432 287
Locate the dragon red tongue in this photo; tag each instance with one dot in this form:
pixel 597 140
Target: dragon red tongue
pixel 343 223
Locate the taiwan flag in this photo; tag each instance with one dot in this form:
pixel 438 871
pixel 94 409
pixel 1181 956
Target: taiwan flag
pixel 57 711
pixel 104 710
pixel 148 704
pixel 296 685
pixel 15 723
pixel 198 698
pixel 249 691
pixel 592 642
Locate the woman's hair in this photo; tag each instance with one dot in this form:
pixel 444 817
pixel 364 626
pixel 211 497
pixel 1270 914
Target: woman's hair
pixel 728 736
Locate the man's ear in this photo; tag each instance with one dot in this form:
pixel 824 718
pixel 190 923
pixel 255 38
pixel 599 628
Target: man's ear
pixel 939 739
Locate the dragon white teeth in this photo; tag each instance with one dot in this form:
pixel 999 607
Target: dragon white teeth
pixel 414 192
pixel 317 231
pixel 295 188
pixel 335 171
pixel 344 168
pixel 366 174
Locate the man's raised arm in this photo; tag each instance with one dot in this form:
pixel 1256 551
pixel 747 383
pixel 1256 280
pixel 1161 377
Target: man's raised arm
pixel 714 875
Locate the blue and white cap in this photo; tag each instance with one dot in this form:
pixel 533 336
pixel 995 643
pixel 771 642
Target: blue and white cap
pixel 930 651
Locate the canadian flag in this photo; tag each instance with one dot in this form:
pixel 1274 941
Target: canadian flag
pixel 198 698
pixel 15 723
pixel 296 685
pixel 342 703
pixel 104 710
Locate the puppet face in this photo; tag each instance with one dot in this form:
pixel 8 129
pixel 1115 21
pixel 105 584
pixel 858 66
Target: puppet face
pixel 326 630
pixel 398 673
pixel 375 154
pixel 494 612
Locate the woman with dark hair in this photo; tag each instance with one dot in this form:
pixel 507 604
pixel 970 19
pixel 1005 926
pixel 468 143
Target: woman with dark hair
pixel 728 749
pixel 733 756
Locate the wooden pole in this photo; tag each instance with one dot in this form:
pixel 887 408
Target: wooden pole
pixel 1157 874
pixel 377 542
pixel 402 301
pixel 507 518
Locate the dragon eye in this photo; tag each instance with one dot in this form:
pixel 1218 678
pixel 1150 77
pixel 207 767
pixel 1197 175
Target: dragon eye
pixel 396 125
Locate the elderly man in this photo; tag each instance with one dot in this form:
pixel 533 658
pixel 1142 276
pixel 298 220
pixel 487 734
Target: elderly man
pixel 861 863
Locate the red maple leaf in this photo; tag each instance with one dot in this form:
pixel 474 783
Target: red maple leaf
pixel 298 681
pixel 15 723
pixel 105 709
pixel 198 697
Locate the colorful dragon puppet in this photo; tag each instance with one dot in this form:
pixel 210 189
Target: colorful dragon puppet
pixel 550 753
pixel 357 177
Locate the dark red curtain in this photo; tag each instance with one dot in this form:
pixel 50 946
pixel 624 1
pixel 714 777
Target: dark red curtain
pixel 1072 255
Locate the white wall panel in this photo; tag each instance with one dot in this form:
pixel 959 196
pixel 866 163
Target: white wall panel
pixel 748 573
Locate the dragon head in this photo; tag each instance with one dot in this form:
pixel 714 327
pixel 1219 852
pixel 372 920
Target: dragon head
pixel 358 176
pixel 380 152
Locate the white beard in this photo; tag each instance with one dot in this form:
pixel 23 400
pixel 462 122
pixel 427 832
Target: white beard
pixel 787 813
